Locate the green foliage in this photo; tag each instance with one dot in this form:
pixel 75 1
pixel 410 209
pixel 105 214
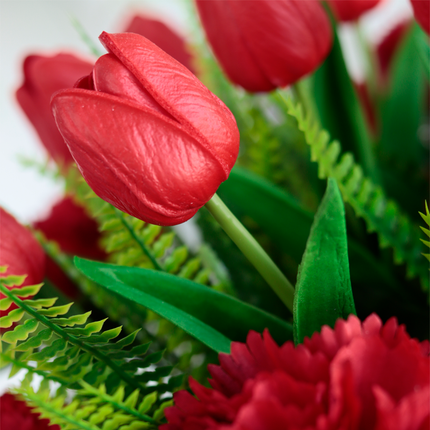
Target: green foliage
pixel 403 157
pixel 227 315
pixel 323 290
pixel 381 215
pixel 93 408
pixel 69 349
pixel 426 218
pixel 340 110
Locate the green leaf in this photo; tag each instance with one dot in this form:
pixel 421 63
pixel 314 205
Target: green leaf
pixel 402 112
pixel 106 275
pixel 340 110
pixel 323 290
pixel 225 314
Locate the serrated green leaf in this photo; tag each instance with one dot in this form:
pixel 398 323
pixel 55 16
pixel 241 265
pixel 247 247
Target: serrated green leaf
pixel 128 340
pixel 50 351
pixel 20 332
pixel 5 304
pixel 134 352
pixel 55 311
pixel 147 403
pixel 71 321
pixel 323 290
pixel 93 327
pixel 13 280
pixel 27 291
pixel 35 341
pixel 132 399
pixel 11 318
pixel 41 303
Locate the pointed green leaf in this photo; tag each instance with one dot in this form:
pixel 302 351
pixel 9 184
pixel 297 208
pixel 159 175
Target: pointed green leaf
pixel 225 314
pixel 323 290
pixel 55 311
pixel 106 275
pixel 20 332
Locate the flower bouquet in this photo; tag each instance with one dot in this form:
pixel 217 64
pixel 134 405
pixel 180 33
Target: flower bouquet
pixel 296 297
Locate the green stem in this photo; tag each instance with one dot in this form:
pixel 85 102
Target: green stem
pixel 252 250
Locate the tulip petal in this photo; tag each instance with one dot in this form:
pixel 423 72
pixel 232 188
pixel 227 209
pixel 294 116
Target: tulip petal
pixel 180 93
pixel 137 160
pixel 292 48
pixel 237 57
pixel 111 77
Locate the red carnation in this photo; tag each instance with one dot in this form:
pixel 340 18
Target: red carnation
pixel 359 376
pixel 16 414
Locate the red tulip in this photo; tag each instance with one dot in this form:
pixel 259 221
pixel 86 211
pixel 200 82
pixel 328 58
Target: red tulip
pixel 387 48
pixel 20 251
pixel 422 13
pixel 350 10
pixel 147 136
pixel 76 234
pixel 163 36
pixel 16 414
pixel 43 76
pixel 262 45
pixel 359 376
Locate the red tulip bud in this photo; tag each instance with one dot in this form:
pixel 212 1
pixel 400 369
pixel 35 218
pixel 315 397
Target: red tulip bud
pixel 350 10
pixel 422 13
pixel 147 136
pixel 43 76
pixel 262 45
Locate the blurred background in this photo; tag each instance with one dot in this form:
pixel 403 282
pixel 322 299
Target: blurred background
pixel 45 26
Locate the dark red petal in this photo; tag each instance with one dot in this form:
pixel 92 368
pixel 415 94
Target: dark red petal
pixel 180 93
pixel 42 77
pixel 230 47
pixel 163 36
pixel 139 161
pixel 75 232
pixel 350 10
pixel 281 36
pixel 111 77
pixel 412 412
pixel 422 13
pixel 20 251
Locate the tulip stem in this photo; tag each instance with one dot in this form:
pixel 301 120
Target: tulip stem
pixel 252 250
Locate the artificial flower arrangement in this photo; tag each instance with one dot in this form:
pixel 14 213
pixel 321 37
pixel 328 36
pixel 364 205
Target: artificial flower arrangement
pixel 306 304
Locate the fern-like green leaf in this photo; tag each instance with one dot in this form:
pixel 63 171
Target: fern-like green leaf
pixel 381 215
pixel 73 350
pixel 426 218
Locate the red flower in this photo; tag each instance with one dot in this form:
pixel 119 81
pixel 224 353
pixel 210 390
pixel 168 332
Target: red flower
pixel 75 233
pixel 388 46
pixel 422 13
pixel 350 10
pixel 43 76
pixel 266 44
pixel 16 414
pixel 147 136
pixel 20 251
pixel 359 376
pixel 163 36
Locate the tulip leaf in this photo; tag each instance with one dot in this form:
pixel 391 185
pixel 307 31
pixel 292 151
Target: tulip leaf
pixel 402 111
pixel 211 316
pixel 340 110
pixel 323 290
